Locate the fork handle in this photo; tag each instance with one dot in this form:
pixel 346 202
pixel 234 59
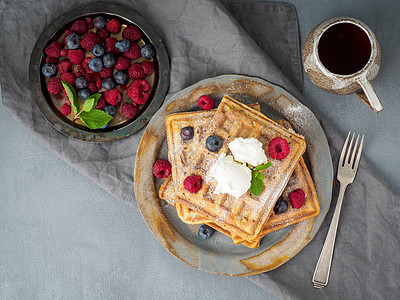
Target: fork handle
pixel 323 268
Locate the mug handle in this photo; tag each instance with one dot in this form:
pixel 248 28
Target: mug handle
pixel 369 96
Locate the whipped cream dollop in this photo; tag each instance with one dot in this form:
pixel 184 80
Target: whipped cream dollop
pixel 248 150
pixel 232 177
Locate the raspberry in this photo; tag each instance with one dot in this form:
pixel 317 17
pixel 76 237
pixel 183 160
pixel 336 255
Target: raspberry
pixel 105 72
pixel 133 51
pixel 68 77
pixel 113 97
pixel 296 198
pixel 122 63
pixel 137 91
pixel 98 84
pixel 78 74
pixel 101 103
pixel 66 33
pixel 148 67
pixel 65 109
pixel 51 60
pixel 54 86
pixel 87 60
pixel 132 33
pixel 113 26
pixel 162 168
pixel 85 65
pixel 76 56
pixel 278 148
pixel 88 77
pixel 103 33
pixel 53 50
pixel 206 102
pixel 109 44
pixel 90 40
pixel 64 66
pixel 96 77
pixel 92 87
pixel 193 183
pixel 79 27
pixel 64 52
pixel 81 70
pixel 89 22
pixel 66 96
pixel 129 110
pixel 136 71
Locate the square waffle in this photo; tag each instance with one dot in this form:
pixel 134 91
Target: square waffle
pixel 243 216
pixel 300 179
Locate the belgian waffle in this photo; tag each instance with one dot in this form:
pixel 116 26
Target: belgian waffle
pixel 167 189
pixel 300 178
pixel 243 216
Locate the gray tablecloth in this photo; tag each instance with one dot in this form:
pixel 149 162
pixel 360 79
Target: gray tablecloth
pixel 263 41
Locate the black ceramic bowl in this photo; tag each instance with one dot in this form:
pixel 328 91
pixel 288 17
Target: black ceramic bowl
pixel 119 127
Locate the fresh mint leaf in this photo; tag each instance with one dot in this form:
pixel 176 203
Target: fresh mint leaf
pixel 72 96
pixel 91 102
pixel 256 186
pixel 263 167
pixel 95 118
pixel 257 179
pixel 260 175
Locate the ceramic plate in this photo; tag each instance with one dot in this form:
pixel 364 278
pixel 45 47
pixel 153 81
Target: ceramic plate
pixel 119 126
pixel 219 254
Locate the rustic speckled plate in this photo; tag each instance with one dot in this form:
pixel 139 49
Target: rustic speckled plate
pixel 218 254
pixel 119 127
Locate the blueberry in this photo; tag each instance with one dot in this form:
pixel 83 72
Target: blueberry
pixel 111 110
pixel 83 94
pixel 123 45
pixel 109 60
pixel 99 22
pixel 98 50
pixel 121 77
pixel 148 51
pixel 73 41
pixel 108 83
pixel 187 133
pixel 205 232
pixel 95 64
pixel 49 70
pixel 280 206
pixel 213 143
pixel 81 82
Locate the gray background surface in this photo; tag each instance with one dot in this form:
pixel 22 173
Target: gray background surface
pixel 70 210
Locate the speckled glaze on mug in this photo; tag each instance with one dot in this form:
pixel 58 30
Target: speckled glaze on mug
pixel 358 82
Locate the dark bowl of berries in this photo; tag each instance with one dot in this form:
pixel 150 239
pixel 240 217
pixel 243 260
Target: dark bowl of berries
pixel 99 72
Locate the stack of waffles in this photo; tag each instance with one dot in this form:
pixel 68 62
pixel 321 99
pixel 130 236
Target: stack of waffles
pixel 248 218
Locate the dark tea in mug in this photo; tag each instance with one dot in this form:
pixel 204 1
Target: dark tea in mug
pixel 344 48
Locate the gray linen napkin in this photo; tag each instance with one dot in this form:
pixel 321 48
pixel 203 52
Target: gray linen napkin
pixel 368 236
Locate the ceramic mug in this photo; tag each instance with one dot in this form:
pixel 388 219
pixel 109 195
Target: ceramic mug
pixel 342 56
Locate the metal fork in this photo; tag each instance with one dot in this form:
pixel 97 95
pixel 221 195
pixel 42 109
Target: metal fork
pixel 346 173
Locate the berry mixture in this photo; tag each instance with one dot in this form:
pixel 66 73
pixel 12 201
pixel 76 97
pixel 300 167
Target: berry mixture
pixel 101 55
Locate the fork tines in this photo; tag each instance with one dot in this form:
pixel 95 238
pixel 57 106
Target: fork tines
pixel 350 160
